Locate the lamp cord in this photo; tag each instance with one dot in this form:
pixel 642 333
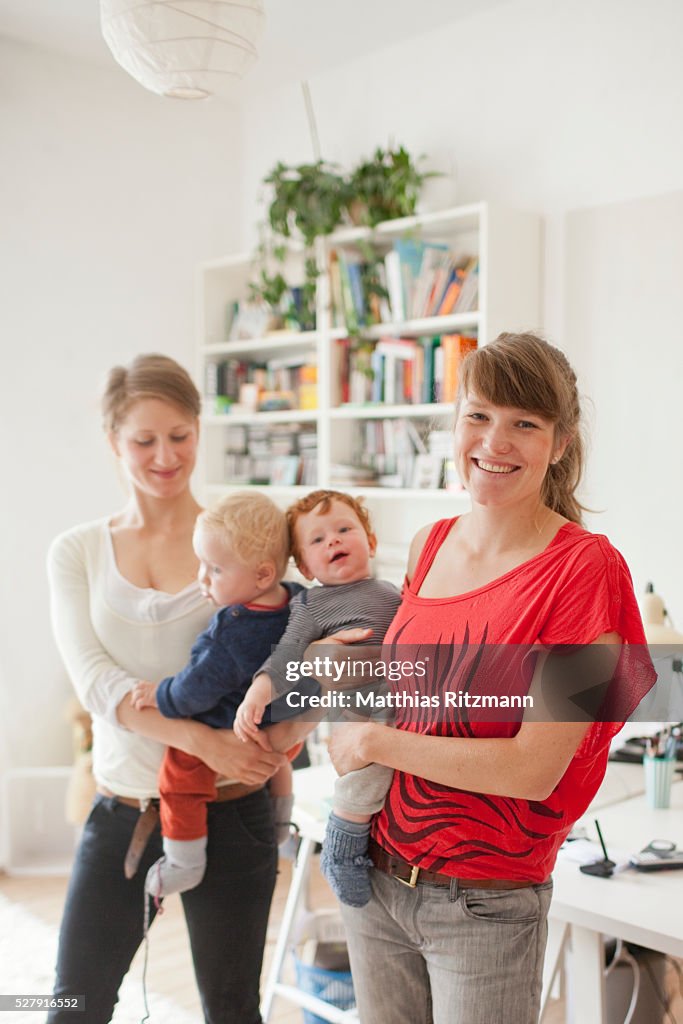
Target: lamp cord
pixel 312 126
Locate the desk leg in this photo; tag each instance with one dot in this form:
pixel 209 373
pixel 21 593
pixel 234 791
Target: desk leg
pixel 554 952
pixel 294 897
pixel 588 980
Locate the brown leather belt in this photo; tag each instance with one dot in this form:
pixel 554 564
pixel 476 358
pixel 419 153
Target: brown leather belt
pixel 149 818
pixel 230 791
pixel 410 874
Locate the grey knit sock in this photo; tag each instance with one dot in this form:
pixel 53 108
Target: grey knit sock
pixel 181 868
pixel 345 862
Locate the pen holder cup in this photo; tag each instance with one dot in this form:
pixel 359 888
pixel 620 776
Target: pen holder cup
pixel 659 773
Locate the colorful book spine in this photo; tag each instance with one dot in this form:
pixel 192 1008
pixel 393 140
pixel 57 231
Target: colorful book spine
pixel 455 347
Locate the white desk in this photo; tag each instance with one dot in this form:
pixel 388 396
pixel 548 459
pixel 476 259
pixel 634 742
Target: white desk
pixel 646 908
pixel 641 907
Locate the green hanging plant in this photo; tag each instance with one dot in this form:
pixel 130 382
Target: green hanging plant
pixel 312 200
pixel 306 306
pixel 308 197
pixel 385 187
pixel 269 288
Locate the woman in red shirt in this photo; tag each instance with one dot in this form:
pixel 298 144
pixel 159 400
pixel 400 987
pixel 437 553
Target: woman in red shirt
pixel 455 929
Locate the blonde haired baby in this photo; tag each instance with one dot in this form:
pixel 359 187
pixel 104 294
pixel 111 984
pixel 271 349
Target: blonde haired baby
pixel 242 545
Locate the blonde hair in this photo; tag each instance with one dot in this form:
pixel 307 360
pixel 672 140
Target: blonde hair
pixel 148 376
pixel 523 371
pixel 323 500
pixel 252 526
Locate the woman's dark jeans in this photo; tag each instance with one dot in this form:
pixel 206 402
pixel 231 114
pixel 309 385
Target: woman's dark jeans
pixel 227 913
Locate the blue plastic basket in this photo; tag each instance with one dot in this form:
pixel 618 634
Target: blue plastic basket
pixel 334 987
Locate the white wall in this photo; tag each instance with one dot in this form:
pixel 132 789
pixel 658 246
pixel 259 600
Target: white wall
pixel 624 263
pixel 109 197
pixel 549 107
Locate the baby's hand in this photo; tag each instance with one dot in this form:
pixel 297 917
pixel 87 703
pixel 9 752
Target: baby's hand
pixel 144 695
pixel 249 716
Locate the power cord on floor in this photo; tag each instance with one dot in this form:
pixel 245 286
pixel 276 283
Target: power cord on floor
pixel 145 940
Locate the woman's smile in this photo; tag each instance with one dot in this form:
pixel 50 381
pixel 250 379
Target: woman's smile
pixel 500 468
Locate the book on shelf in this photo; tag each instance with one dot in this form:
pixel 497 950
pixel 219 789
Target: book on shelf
pixel 358 290
pixel 350 313
pixel 336 295
pixel 360 374
pixel 468 297
pixel 307 387
pixel 366 291
pixel 450 296
pixel 425 367
pixel 388 449
pixel 288 382
pixel 276 401
pixel 411 253
pixel 354 271
pixel 277 454
pixel 455 347
pixel 393 368
pixel 426 279
pixel 343 374
pixel 434 268
pixel 379 301
pixel 344 474
pixel 384 372
pixel 412 280
pixel 284 438
pixel 237 468
pixel 401 371
pixel 392 269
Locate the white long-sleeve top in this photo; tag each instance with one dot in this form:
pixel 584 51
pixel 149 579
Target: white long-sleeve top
pixel 111 633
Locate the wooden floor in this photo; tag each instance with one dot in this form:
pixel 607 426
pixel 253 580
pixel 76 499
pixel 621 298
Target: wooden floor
pixel 169 971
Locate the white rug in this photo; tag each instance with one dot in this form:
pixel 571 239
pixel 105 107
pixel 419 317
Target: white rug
pixel 28 951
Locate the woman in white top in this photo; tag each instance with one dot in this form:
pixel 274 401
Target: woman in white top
pixel 126 606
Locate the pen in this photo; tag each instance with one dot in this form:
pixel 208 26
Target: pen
pixel 670 748
pixel 663 741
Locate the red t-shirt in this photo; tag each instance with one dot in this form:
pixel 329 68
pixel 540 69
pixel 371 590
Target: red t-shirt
pixel 578 588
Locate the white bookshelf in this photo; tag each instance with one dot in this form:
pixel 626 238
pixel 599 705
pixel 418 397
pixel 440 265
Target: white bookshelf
pixel 508 246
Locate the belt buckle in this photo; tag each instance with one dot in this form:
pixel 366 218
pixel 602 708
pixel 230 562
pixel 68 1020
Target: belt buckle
pixel 411 882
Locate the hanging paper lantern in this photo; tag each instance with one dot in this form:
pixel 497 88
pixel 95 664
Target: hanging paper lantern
pixel 187 49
